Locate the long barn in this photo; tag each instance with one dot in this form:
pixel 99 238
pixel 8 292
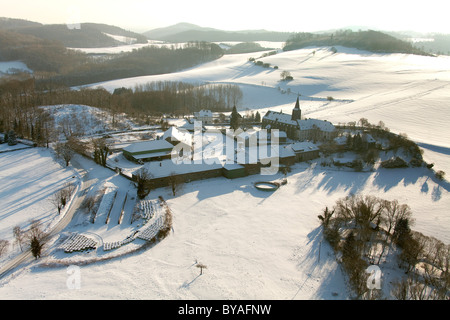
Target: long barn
pixel 152 150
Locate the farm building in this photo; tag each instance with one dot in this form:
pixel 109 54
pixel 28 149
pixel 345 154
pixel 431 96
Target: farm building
pixel 234 170
pixel 176 136
pixel 205 116
pixel 152 150
pixel 305 150
pixel 297 128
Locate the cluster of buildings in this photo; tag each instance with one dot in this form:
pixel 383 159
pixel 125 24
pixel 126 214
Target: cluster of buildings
pixel 297 128
pixel 170 155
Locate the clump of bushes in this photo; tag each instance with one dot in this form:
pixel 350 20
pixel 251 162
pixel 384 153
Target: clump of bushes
pixel 364 231
pixel 397 162
pixel 440 175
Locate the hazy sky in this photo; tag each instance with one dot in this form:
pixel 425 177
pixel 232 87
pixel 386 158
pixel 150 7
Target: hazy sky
pixel 276 15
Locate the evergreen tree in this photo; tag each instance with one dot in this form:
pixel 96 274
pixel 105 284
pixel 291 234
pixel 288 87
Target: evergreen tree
pixel 402 232
pixel 349 251
pixel 36 247
pixel 357 142
pixel 235 119
pixel 349 142
pixel 257 117
pixel 12 138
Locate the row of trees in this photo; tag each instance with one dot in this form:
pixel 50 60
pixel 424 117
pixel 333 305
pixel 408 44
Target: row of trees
pixel 148 60
pixel 393 142
pixel 366 230
pixel 180 98
pixel 20 103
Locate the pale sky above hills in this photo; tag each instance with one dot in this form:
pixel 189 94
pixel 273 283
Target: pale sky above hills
pixel 284 15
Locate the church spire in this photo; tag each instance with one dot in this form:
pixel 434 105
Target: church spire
pixel 296 112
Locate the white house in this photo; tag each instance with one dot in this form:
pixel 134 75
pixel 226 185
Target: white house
pixel 205 116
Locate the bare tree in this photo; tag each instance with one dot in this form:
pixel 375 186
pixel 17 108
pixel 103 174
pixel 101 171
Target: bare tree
pixel 393 212
pixel 64 151
pixel 56 201
pixel 18 236
pixel 201 266
pixel 175 182
pixel 66 193
pixel 143 177
pixel 286 75
pixel 88 203
pixel 364 211
pixel 101 150
pixel 36 237
pixel 4 244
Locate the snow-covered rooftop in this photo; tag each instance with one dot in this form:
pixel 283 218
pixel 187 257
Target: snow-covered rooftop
pixel 168 167
pixel 323 125
pixel 303 146
pixel 203 113
pixel 280 117
pixel 151 145
pixel 305 124
pixel 180 135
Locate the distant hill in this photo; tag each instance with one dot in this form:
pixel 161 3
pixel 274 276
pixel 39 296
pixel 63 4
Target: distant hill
pixel 88 35
pixel 435 43
pixel 161 33
pixel 369 40
pixel 38 54
pixel 10 23
pixel 184 32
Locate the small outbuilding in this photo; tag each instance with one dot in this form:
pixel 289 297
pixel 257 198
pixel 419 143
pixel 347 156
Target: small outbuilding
pixel 232 171
pixel 152 150
pixel 305 151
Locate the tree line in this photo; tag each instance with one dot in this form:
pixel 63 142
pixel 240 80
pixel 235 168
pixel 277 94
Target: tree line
pixel 183 98
pixel 149 60
pixel 20 102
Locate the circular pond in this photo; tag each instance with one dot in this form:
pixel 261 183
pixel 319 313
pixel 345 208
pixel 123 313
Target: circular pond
pixel 266 186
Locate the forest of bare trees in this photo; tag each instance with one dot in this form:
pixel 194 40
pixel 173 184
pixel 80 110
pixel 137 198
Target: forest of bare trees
pixel 369 231
pixel 20 102
pixel 144 61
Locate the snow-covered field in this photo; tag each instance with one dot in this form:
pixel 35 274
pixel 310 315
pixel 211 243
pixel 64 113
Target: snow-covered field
pixel 29 178
pixel 8 67
pixel 256 245
pixel 130 47
pixel 260 245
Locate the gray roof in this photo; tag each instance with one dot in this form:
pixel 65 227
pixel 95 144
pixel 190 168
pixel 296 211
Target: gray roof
pixel 309 124
pixel 306 124
pixel 304 146
pixel 280 117
pixel 150 145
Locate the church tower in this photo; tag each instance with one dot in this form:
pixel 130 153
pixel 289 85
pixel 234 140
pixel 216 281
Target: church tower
pixel 296 112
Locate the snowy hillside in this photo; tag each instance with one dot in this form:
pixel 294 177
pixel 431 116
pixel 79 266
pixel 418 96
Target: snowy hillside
pixel 29 179
pixel 408 93
pixel 256 244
